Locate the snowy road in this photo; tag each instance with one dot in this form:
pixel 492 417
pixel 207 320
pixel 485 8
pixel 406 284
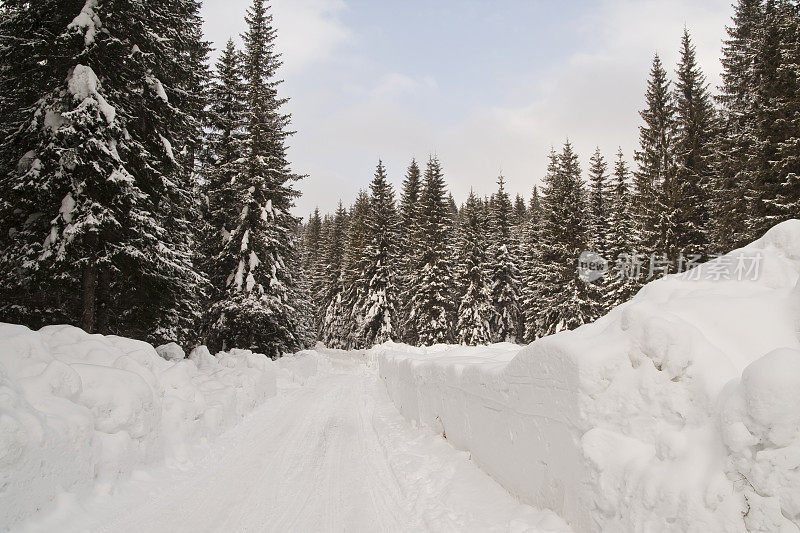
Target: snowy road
pixel 333 455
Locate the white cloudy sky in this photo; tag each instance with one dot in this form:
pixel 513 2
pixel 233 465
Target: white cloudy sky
pixel 488 85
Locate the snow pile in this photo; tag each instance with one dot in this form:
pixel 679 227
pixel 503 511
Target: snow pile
pixel 299 368
pixel 79 410
pixel 676 411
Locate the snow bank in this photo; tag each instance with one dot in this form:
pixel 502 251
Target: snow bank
pixel 78 410
pixel 676 411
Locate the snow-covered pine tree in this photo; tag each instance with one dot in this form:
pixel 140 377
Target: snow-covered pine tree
pixel 432 303
pixel 313 255
pixel 733 181
pixel 410 246
pixel 621 285
pixel 599 216
pixel 332 329
pixel 475 310
pixel 694 139
pixel 354 292
pixel 96 168
pixel 599 205
pixel 529 254
pixel 226 151
pixel 503 274
pixel 654 181
pixel 564 301
pixel 518 224
pixel 380 306
pixel 260 305
pixel 777 108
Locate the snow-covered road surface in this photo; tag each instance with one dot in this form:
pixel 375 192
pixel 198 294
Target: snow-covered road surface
pixel 333 455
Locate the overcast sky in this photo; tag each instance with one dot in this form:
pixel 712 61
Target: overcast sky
pixel 488 86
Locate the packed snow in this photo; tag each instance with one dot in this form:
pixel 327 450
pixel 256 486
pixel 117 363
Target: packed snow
pixel 328 453
pixel 676 411
pixel 78 411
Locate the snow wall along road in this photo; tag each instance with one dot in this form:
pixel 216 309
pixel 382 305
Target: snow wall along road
pixel 679 410
pixel 79 411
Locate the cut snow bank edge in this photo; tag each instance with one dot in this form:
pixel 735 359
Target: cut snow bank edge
pixel 676 411
pixel 79 411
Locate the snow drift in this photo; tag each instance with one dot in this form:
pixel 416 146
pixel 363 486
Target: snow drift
pixel 79 411
pixel 676 411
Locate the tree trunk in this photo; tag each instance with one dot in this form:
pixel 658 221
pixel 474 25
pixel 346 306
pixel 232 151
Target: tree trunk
pixel 103 294
pixel 89 286
pixel 88 297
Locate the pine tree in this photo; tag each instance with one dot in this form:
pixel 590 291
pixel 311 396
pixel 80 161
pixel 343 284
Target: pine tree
pixel 354 294
pixel 431 302
pixel 530 271
pixel 410 245
pixel 475 310
pixel 733 182
pixel 776 194
pixel 261 306
pixel 97 186
pixel 225 153
pixel 622 283
pixel 331 330
pixel 599 205
pixel 564 301
pixel 380 306
pixel 694 130
pixel 503 274
pixel 655 197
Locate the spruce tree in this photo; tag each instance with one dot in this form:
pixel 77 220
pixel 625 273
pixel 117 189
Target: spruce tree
pixel 694 140
pixel 379 309
pixel 503 274
pixel 354 294
pixel 530 247
pixel 655 197
pixel 599 205
pixel 432 300
pixel 260 305
pixel 564 301
pixel 410 245
pixel 776 194
pixel 621 283
pixel 732 188
pixel 97 189
pixel 475 310
pixel 331 330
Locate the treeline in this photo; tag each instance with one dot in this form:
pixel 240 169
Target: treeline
pixel 136 196
pixel 712 173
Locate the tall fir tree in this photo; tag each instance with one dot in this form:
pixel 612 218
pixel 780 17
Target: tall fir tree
pixel 410 245
pixel 622 283
pixel 380 306
pixel 432 306
pixel 475 310
pixel 564 301
pixel 599 205
pixel 96 184
pixel 694 140
pixel 732 187
pixel 261 305
pixel 776 195
pixel 503 274
pixel 331 330
pixel 655 197
pixel 529 270
pixel 354 294
pixel 225 153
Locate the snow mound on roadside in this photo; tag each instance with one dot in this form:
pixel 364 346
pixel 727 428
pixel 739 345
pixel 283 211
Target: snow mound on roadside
pixel 676 411
pixel 78 409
